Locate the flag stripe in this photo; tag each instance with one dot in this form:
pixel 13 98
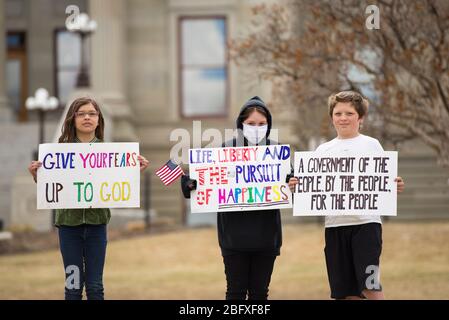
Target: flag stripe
pixel 167 175
pixel 164 173
pixel 161 170
pixel 174 176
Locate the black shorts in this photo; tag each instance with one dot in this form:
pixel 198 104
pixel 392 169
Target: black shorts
pixel 352 259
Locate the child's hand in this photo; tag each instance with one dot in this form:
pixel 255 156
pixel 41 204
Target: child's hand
pixel 32 168
pixel 292 183
pixel 143 163
pixel 400 183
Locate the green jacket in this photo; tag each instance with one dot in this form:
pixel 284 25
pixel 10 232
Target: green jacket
pixel 76 217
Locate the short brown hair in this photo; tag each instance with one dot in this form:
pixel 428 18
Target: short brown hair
pixel 359 103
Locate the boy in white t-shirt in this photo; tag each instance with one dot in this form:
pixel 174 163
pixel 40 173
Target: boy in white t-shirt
pixel 353 243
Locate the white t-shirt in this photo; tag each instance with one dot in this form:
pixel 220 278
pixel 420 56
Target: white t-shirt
pixel 362 144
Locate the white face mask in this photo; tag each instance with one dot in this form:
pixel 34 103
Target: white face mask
pixel 254 134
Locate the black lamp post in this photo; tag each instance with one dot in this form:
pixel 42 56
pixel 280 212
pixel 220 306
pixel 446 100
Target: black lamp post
pixel 85 27
pixel 42 103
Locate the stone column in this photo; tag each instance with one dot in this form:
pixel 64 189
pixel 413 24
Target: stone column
pixel 4 111
pixel 108 63
pixel 108 47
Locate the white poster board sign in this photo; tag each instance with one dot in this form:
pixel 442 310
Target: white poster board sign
pixel 345 184
pixel 88 175
pixel 240 178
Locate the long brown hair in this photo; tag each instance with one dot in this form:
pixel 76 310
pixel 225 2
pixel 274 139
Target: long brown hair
pixel 68 130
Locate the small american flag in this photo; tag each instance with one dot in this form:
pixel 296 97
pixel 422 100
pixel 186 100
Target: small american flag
pixel 169 172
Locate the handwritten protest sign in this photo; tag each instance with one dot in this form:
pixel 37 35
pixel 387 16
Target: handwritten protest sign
pixel 88 175
pixel 345 184
pixel 240 178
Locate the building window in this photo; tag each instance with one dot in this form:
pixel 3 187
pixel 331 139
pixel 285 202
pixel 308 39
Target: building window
pixel 203 70
pixel 68 60
pixel 15 40
pixel 16 74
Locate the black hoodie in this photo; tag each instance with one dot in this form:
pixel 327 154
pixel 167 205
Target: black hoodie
pixel 247 231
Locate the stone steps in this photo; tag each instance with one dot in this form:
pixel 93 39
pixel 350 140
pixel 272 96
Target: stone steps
pixel 18 142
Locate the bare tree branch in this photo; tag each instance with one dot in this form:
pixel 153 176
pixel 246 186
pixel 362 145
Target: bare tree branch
pixel 404 70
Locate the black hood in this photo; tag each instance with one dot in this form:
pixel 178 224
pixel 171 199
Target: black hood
pixel 254 102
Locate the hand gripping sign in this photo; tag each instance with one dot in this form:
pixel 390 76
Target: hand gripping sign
pixel 345 184
pixel 240 178
pixel 88 175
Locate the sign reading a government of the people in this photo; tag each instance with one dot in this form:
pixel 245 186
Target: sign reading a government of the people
pixel 88 175
pixel 240 178
pixel 345 184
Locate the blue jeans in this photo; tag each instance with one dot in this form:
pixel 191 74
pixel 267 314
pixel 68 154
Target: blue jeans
pixel 83 250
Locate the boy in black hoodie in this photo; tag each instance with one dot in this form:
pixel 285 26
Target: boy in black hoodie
pixel 250 241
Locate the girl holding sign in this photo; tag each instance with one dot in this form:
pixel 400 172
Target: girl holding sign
pixel 250 241
pixel 82 232
pixel 353 243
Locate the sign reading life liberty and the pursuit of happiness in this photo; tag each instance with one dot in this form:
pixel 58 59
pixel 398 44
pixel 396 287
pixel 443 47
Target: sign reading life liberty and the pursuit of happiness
pixel 88 175
pixel 240 178
pixel 345 184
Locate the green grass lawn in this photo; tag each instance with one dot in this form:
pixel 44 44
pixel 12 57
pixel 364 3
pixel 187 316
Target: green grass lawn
pixel 188 265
